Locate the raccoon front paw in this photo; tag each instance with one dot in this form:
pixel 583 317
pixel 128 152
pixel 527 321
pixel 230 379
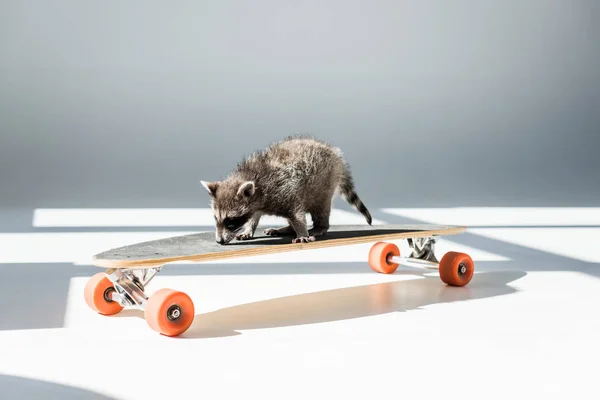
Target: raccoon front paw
pixel 304 239
pixel 244 236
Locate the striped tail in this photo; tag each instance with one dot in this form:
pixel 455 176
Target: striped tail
pixel 349 193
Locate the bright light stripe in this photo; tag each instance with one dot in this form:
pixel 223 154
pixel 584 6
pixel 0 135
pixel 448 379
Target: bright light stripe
pixel 503 216
pixel 121 217
pixel 156 217
pixel 67 247
pixel 576 243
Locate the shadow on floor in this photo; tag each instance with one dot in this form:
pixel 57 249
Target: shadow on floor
pixel 345 303
pixel 15 387
pixel 37 294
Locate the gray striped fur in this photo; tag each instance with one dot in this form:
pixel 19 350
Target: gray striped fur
pixel 289 179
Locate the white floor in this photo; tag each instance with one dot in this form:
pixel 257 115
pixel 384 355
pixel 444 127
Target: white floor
pixel 276 327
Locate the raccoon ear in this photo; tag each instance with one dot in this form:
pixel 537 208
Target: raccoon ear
pixel 246 189
pixel 211 187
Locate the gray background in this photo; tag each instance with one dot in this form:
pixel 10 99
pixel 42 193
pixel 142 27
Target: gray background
pixel 129 104
pixel 437 103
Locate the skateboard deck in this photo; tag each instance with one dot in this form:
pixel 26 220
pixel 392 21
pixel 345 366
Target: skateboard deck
pixel 129 269
pixel 200 247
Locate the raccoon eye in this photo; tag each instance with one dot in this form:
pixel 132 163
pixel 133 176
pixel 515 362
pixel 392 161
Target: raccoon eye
pixel 233 223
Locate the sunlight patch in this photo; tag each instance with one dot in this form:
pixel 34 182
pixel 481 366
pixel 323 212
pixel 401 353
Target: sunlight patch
pixel 503 216
pixel 157 217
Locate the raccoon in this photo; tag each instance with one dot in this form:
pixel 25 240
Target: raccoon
pixel 290 178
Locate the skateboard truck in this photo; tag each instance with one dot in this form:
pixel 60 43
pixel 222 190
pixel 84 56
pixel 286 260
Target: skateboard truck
pixel 423 248
pixel 455 269
pixel 422 253
pixel 128 286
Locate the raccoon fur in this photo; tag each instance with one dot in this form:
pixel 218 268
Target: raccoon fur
pixel 290 178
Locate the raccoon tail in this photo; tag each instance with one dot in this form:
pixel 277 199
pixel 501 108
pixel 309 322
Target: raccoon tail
pixel 348 191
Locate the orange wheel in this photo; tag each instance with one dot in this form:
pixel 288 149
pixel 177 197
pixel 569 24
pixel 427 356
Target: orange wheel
pixel 378 257
pixel 169 312
pixel 97 295
pixel 456 269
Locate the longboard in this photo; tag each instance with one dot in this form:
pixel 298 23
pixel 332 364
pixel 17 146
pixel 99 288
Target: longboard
pixel 169 312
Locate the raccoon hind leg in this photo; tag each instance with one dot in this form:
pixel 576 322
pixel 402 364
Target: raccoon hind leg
pixel 298 223
pixel 320 214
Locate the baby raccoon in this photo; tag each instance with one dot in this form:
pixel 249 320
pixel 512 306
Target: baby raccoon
pixel 288 179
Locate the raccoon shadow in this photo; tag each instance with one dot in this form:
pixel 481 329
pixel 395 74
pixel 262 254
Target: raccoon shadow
pixel 286 238
pixel 347 303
